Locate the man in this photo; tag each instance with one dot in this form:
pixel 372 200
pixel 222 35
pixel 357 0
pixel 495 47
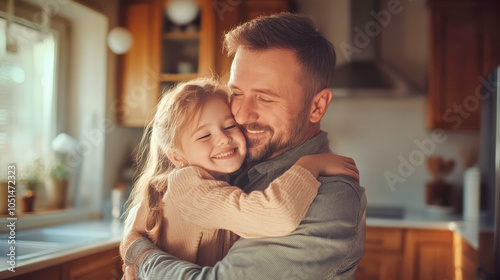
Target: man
pixel 279 78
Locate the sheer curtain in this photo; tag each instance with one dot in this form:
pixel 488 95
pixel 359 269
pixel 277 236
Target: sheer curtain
pixel 27 96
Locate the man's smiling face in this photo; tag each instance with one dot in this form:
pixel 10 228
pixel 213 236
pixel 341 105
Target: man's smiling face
pixel 268 101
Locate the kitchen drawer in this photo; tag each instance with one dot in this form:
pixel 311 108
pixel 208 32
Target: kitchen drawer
pixel 52 273
pixel 379 266
pixel 103 265
pixel 383 239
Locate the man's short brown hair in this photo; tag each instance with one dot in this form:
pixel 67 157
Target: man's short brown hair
pixel 294 32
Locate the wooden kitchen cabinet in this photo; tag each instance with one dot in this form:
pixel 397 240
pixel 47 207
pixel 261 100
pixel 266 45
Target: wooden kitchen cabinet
pixel 428 255
pixel 52 273
pixel 102 265
pixel 382 259
pixel 409 254
pixel 379 266
pixel 139 67
pixel 468 258
pixel 153 63
pixel 464 45
pixel 162 54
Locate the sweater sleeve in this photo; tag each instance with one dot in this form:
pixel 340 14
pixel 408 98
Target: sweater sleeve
pixel 213 204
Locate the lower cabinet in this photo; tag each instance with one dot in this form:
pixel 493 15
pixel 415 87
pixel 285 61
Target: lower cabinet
pixel 383 255
pixel 48 273
pixel 379 266
pixel 103 265
pixel 428 255
pixel 467 258
pixel 408 254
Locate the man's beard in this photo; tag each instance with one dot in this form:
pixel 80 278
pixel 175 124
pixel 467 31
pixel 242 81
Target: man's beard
pixel 277 145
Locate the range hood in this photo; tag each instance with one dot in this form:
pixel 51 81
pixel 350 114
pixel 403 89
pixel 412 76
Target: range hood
pixel 364 74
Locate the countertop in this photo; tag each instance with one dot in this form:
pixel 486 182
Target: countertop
pixel 109 236
pixel 416 219
pixel 424 219
pixel 111 233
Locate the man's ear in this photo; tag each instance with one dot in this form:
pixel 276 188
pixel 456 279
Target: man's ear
pixel 319 105
pixel 176 158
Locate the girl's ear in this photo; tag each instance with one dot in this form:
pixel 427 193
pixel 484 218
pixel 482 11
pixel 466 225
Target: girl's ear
pixel 176 158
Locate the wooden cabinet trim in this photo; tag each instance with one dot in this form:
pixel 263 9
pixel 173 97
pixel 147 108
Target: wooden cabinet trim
pixel 384 239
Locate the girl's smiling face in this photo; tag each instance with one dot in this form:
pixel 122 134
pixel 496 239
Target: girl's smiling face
pixel 214 142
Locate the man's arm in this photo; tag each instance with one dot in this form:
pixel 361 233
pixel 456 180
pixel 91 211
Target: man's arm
pixel 328 243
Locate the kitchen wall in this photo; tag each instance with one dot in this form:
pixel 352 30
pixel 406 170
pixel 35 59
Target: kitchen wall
pixel 378 132
pixel 119 141
pixel 374 131
pixel 85 100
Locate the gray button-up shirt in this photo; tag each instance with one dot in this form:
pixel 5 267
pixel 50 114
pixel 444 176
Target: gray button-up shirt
pixel 328 243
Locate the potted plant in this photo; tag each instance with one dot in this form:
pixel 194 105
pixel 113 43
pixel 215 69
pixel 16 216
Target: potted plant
pixel 32 179
pixel 58 185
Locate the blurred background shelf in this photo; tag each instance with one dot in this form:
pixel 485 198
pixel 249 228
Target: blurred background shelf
pixel 177 77
pixel 181 35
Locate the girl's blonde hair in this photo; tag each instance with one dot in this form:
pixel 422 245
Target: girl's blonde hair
pixel 177 108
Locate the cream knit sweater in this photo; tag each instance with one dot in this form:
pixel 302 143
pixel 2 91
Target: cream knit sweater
pixel 200 213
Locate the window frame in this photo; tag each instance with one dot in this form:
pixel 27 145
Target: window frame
pixel 61 30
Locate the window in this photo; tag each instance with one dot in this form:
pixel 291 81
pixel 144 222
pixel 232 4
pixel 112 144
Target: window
pixel 29 57
pixel 27 79
pixel 59 93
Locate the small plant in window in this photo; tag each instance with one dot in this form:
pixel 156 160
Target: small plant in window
pixel 59 171
pixel 32 177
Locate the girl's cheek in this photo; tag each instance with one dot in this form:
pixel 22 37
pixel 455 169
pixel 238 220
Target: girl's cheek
pixel 241 138
pixel 237 134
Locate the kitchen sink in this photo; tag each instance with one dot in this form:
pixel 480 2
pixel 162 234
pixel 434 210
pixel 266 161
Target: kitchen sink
pixel 57 236
pixel 26 250
pixel 38 242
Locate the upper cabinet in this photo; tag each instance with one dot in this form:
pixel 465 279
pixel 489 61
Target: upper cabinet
pixel 465 44
pixel 165 50
pixel 139 67
pixel 168 49
pixel 187 49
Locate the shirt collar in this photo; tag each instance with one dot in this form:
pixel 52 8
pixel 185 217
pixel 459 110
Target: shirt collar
pixel 316 145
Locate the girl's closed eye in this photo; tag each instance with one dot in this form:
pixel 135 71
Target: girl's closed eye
pixel 203 137
pixel 230 127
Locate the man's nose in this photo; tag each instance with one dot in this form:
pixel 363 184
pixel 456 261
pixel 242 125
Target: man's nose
pixel 244 111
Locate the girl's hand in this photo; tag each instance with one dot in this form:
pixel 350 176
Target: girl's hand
pixel 329 164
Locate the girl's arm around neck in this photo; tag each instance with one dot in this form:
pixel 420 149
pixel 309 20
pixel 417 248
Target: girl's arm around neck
pixel 213 204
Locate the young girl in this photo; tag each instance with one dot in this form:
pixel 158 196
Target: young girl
pixel 182 201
